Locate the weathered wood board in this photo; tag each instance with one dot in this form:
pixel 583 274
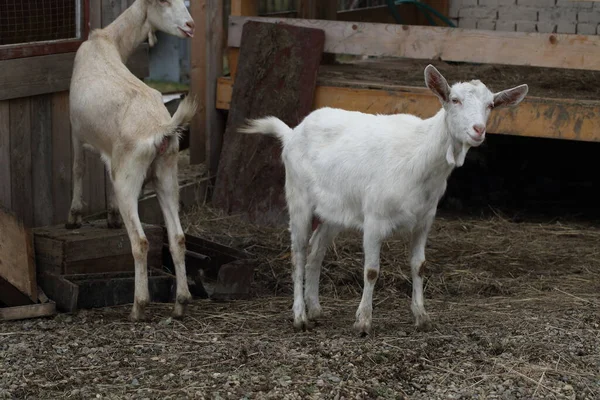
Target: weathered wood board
pixel 80 291
pixel 17 262
pixel 92 249
pixel 276 75
pixel 28 311
pixel 448 44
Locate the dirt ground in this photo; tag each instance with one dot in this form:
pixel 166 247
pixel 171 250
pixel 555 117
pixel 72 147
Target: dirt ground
pixel 515 308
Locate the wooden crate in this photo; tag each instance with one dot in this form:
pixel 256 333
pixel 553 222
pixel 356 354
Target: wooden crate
pixel 91 249
pixel 78 291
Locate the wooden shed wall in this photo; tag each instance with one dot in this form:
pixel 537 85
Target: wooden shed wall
pixel 35 132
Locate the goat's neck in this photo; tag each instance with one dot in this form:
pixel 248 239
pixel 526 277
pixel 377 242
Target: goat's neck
pixel 130 29
pixel 440 150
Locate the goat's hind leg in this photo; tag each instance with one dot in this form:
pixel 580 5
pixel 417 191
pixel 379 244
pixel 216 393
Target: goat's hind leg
pixel 322 238
pixel 167 191
pixel 127 183
pixel 74 219
pixel 300 224
pixel 113 217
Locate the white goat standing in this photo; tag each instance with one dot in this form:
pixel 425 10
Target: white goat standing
pixel 378 173
pixel 126 122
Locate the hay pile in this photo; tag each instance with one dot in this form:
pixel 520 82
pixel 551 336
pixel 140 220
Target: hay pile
pixel 466 257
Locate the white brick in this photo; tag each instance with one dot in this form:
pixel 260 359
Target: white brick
pixel 558 14
pixel 497 3
pixel 566 27
pixel 518 14
pixel 587 29
pixel 467 23
pixel 487 24
pixel 526 26
pixel 546 27
pixel 477 12
pixel 578 5
pixel 505 26
pixel 536 3
pixel 454 7
pixel 588 16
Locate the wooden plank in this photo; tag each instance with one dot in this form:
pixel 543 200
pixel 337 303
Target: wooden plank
pixel 17 264
pixel 447 44
pixel 198 61
pixel 535 116
pixel 319 9
pixel 250 178
pixel 61 291
pixel 32 76
pixel 20 159
pixel 29 311
pixel 239 8
pixel 61 156
pixel 215 120
pixel 41 150
pixel 5 191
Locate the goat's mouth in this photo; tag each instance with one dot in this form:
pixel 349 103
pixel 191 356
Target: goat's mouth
pixel 186 33
pixel 476 140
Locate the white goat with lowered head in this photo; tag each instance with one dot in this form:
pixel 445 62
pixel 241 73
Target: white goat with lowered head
pixel 126 122
pixel 377 173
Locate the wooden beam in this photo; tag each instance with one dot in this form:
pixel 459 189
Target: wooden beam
pixel 198 60
pixel 535 116
pixel 239 8
pixel 20 159
pixel 448 44
pixel 41 159
pixel 5 171
pixel 24 77
pixel 61 156
pixel 29 311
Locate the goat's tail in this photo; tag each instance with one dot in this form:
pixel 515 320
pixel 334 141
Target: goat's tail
pixel 266 126
pixel 179 121
pixel 185 112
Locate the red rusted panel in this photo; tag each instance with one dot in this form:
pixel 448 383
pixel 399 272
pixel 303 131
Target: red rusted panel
pixel 276 75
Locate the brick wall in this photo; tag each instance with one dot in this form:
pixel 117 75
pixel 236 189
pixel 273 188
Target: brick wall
pixel 548 16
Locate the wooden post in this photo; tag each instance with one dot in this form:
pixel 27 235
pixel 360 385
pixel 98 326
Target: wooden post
pixel 206 67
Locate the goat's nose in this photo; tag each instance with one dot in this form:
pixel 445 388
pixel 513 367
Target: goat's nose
pixel 480 129
pixel 190 24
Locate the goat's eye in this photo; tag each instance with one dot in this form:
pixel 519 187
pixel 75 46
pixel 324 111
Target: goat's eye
pixel 490 106
pixel 164 2
pixel 456 101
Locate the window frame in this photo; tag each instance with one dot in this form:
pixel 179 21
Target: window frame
pixel 33 49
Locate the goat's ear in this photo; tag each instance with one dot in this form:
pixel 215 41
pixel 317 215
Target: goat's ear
pixel 437 83
pixel 510 97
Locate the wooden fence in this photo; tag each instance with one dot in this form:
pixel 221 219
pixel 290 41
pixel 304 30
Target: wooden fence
pixel 35 132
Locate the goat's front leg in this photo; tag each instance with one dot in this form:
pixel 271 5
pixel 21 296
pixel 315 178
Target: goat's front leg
pixel 372 238
pixel 74 219
pixel 417 266
pixel 167 191
pixel 127 184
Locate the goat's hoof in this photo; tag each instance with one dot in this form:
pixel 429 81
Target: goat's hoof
pixel 423 323
pixel 179 310
pixel 184 298
pixel 137 315
pixel 363 328
pixel 301 323
pixel 314 313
